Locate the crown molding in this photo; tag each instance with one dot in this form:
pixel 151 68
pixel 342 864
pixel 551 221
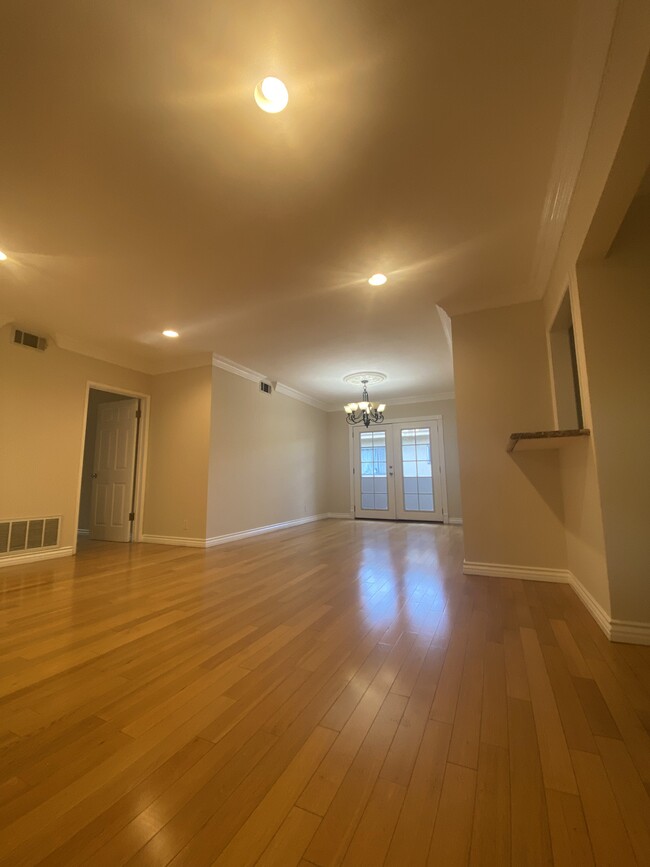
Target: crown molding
pixel 237 369
pixel 404 401
pixel 256 376
pixel 299 395
pixel 420 398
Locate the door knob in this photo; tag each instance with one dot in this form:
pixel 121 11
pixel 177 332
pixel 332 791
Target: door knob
pixel 93 476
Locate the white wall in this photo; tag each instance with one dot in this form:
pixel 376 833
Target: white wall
pixel 268 457
pixel 512 503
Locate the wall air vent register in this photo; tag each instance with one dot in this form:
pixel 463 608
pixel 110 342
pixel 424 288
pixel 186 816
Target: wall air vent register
pixel 28 534
pixel 33 341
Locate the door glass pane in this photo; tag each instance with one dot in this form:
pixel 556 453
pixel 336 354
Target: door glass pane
pixel 374 482
pixel 416 470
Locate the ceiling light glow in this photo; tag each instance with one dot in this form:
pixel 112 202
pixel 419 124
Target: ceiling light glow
pixel 169 333
pixel 3 256
pixel 377 279
pixel 271 95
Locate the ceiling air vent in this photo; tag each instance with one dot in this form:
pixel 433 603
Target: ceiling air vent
pixel 31 340
pixel 266 387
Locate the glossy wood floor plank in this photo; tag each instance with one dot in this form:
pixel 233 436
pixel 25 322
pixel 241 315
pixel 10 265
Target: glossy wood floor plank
pixel 339 693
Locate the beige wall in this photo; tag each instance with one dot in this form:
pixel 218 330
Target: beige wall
pixel 615 305
pixel 179 446
pixel 268 457
pixel 512 503
pixel 338 491
pixel 42 424
pixel 338 464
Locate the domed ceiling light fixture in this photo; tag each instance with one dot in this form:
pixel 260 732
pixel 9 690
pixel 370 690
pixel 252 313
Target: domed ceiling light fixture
pixel 271 95
pixel 365 411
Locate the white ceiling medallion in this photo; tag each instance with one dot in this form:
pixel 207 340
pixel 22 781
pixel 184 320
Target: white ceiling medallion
pixel 371 377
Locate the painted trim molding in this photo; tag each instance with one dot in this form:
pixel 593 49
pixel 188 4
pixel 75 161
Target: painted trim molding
pixel 590 602
pixel 525 573
pixel 623 631
pixel 256 376
pixel 19 559
pixel 421 398
pixel 257 531
pixel 629 632
pixel 456 521
pixel 81 532
pixel 287 391
pixel 212 541
pixel 183 541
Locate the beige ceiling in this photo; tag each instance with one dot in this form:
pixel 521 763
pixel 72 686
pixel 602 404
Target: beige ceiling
pixel 142 188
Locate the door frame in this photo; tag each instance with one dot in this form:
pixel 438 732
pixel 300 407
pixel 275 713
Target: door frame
pixel 408 420
pixel 140 454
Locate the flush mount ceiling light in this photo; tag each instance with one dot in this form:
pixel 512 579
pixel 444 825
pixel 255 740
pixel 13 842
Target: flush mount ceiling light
pixel 3 256
pixel 364 411
pixel 168 332
pixel 271 95
pixel 377 279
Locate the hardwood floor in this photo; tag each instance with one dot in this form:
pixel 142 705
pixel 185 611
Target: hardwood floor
pixel 335 694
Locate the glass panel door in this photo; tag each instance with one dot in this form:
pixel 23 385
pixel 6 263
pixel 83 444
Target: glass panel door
pixel 373 471
pixel 418 472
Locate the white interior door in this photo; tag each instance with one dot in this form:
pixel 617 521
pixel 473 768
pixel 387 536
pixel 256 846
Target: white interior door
pixel 113 470
pixel 374 490
pixel 418 471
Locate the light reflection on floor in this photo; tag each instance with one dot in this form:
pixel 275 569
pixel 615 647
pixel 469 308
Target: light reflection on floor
pixel 400 589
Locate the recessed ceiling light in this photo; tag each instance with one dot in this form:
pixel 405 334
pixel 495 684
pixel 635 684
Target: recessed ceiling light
pixel 169 333
pixel 377 279
pixel 3 256
pixel 271 95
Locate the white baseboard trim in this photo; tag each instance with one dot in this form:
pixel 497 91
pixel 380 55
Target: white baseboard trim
pixel 623 631
pixel 183 541
pixel 212 541
pixel 525 573
pixel 34 557
pixel 257 531
pixel 344 516
pixel 457 521
pixel 629 632
pixel 592 605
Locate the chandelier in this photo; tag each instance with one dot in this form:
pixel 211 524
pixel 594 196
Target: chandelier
pixel 364 411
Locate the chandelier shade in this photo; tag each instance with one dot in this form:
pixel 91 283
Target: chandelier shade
pixel 365 411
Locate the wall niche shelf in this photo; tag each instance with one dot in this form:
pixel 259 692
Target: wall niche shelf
pixel 545 439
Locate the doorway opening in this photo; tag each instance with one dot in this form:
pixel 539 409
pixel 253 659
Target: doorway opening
pixel 112 462
pixel 398 471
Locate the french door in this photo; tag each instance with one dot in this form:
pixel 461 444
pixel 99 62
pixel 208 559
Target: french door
pixel 397 472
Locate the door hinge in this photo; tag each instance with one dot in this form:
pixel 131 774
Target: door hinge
pixel 138 413
pixel 131 516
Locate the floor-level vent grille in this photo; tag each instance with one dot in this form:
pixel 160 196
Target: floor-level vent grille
pixel 28 534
